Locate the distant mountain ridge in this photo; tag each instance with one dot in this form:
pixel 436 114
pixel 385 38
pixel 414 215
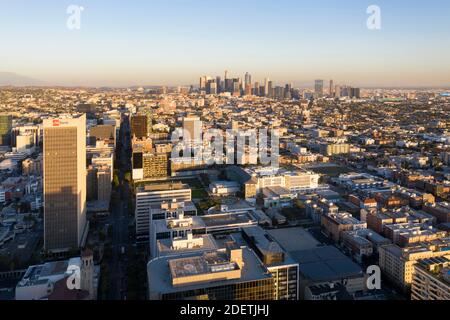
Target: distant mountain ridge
pixel 14 79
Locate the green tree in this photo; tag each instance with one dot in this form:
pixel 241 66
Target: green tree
pixel 116 181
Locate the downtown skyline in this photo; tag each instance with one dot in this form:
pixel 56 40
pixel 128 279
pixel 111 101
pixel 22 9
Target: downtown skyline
pixel 170 42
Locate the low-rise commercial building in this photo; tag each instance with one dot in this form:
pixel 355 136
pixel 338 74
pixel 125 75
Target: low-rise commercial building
pixel 363 242
pixel 405 234
pixel 256 179
pixel 335 223
pixel 49 281
pixel 441 210
pixel 224 188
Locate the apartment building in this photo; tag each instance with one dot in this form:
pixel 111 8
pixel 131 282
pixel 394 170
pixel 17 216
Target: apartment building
pixel 431 280
pixel 334 224
pixel 398 263
pixel 441 210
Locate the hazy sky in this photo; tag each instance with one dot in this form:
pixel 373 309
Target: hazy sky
pixel 174 42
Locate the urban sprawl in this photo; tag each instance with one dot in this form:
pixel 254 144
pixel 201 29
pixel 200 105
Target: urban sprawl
pixel 98 200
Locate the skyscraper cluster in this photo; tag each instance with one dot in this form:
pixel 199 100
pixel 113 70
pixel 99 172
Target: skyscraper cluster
pixel 336 91
pixel 237 87
pixel 347 91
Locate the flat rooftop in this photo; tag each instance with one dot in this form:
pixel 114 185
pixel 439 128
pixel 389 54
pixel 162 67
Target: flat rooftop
pixel 325 264
pixel 359 239
pixel 328 193
pixel 160 278
pixel 224 184
pixel 444 205
pixel 35 273
pixel 442 272
pixel 344 218
pixel 262 241
pixel 161 187
pixel 217 220
pixel 40 273
pixel 275 171
pixel 369 235
pixel 276 191
pixel 185 205
pixel 365 180
pixel 230 205
pixel 162 225
pixel 294 239
pixel 165 246
pixel 210 262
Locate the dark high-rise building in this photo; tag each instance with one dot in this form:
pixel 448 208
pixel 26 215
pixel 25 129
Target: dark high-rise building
pixel 355 93
pixel 5 130
pixel 345 91
pixel 236 86
pixel 337 91
pixel 219 84
pixel 229 85
pixel 270 90
pixel 248 79
pixel 139 126
pixel 202 84
pixel 211 87
pixel 256 89
pixel 278 92
pixel 288 91
pixel 318 87
pixel 262 91
pixel 91 184
pixel 226 82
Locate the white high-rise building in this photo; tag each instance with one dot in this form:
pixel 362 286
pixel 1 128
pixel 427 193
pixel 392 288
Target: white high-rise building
pixel 266 87
pixel 149 195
